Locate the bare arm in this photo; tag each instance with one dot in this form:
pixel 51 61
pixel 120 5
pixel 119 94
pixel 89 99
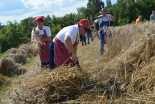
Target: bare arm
pixel 113 19
pixel 69 46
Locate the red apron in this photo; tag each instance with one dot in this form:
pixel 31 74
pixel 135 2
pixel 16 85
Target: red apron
pixel 44 50
pixel 61 53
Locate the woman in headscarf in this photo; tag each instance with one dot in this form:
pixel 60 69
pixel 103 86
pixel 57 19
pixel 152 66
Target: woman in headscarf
pixel 44 35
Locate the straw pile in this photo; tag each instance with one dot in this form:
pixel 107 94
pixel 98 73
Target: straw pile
pixel 9 68
pixel 59 85
pixel 3 80
pixel 11 62
pixel 131 51
pixel 132 62
pixel 21 54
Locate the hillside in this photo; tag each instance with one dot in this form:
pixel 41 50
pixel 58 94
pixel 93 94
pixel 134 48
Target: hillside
pixel 125 73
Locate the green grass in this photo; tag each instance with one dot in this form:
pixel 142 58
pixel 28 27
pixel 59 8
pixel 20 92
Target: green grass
pixel 1 54
pixel 3 88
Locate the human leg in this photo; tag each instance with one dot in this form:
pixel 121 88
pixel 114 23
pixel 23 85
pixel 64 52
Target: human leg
pixel 85 40
pixel 102 42
pixel 51 56
pixel 91 37
pixel 88 38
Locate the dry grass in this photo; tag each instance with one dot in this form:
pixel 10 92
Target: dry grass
pixel 124 74
pixel 3 80
pixel 12 62
pixel 59 85
pixel 131 52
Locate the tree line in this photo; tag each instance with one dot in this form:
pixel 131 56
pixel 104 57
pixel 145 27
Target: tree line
pixel 125 11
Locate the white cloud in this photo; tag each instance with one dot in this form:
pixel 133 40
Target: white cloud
pixel 38 4
pixel 42 7
pixel 4 19
pixel 71 8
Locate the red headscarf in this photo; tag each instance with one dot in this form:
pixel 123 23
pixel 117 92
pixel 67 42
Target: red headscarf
pixel 84 23
pixel 38 17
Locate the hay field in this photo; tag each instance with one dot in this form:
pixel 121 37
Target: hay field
pixel 124 74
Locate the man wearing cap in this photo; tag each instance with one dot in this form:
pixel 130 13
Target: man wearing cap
pixel 44 35
pixel 104 20
pixel 63 49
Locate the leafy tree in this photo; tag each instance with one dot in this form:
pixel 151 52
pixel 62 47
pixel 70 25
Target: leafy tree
pixel 131 9
pixel 123 21
pixel 27 25
pixel 94 7
pixel 48 20
pixel 55 30
pixel 12 36
pixel 82 12
pixel 108 3
pixel 1 26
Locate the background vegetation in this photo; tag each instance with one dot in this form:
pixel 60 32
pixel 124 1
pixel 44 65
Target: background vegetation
pixel 125 11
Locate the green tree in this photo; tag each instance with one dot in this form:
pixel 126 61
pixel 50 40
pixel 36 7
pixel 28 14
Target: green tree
pixel 12 36
pixel 48 20
pixel 27 25
pixel 108 3
pixel 130 9
pixel 82 12
pixel 94 6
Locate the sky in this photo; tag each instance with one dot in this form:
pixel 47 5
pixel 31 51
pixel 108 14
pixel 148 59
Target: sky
pixel 17 10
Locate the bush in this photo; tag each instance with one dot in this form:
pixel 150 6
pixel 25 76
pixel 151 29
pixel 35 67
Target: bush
pixel 123 21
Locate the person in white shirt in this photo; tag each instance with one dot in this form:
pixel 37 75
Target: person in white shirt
pixel 44 35
pixel 63 49
pixel 104 20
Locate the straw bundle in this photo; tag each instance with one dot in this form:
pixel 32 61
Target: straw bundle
pixel 53 87
pixel 143 83
pixel 9 68
pixel 3 80
pixel 11 62
pixel 133 49
pixel 134 63
pixel 21 54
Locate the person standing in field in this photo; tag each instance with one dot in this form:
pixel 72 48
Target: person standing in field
pixel 152 17
pixel 90 36
pixel 138 20
pixel 84 39
pixel 44 36
pixel 63 49
pixel 104 20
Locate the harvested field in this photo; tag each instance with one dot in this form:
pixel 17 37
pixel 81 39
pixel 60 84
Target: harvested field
pixel 124 74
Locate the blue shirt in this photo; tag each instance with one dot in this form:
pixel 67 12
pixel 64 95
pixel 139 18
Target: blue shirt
pixel 152 17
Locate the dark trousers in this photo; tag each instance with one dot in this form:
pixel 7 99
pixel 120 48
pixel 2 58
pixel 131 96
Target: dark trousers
pixel 83 40
pixel 51 56
pixel 44 64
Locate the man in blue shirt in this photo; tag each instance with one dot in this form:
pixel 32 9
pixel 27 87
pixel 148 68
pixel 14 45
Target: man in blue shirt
pixel 152 17
pixel 103 20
